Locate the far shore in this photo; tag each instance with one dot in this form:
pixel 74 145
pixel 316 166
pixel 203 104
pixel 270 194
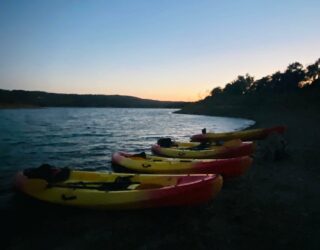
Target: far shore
pixel 17 106
pixel 25 106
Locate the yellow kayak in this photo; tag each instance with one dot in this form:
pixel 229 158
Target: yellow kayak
pixel 231 149
pixel 244 135
pixel 107 190
pixel 159 165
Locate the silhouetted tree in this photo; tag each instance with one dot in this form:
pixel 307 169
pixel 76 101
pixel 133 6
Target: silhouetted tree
pixel 313 71
pixel 216 91
pixel 262 85
pixel 240 86
pixel 293 76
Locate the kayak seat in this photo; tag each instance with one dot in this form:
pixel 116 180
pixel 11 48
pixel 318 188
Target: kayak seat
pixel 165 142
pixel 140 155
pixel 48 172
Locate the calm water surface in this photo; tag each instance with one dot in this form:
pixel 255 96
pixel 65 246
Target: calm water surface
pixel 85 138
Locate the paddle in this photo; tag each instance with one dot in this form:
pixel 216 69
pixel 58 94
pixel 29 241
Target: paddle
pixel 120 183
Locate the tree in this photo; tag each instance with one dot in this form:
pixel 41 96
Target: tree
pixel 239 86
pixel 216 91
pixel 293 76
pixel 313 71
pixel 262 85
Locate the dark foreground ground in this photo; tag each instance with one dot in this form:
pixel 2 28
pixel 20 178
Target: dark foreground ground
pixel 275 205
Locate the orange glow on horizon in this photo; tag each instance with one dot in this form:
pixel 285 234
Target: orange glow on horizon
pixel 175 93
pixel 184 96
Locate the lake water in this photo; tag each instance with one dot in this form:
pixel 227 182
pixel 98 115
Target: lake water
pixel 85 138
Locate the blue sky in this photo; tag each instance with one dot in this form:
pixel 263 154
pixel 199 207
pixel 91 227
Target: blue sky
pixel 167 50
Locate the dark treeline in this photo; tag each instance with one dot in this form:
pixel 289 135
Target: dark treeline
pixel 21 98
pixel 296 87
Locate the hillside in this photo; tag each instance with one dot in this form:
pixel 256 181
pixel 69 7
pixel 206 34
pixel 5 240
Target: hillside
pixel 21 98
pixel 297 88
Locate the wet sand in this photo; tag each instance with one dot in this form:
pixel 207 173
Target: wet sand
pixel 275 205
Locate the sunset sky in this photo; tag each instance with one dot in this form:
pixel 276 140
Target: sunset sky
pixel 165 50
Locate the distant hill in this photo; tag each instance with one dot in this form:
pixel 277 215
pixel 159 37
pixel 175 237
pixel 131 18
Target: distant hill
pixel 21 98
